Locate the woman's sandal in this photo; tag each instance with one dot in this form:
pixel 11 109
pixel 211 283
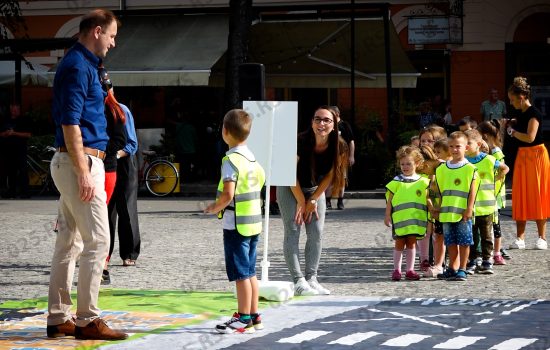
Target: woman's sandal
pixel 128 262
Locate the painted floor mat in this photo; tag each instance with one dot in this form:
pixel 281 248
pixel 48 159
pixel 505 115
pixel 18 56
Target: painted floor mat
pixel 138 312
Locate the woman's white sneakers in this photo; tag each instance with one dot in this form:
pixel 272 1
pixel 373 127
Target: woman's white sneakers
pixel 540 244
pixel 311 287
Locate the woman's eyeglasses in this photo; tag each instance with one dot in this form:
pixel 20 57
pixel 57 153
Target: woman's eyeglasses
pixel 319 120
pixel 106 83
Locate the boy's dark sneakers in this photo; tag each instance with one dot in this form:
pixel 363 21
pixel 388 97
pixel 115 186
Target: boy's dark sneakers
pixel 505 254
pixel 329 204
pixel 448 274
pixel 460 275
pixel 257 322
pixel 235 325
pixel 486 268
pixel 105 278
pixel 471 267
pixel 65 329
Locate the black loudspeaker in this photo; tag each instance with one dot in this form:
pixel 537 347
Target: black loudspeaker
pixel 252 82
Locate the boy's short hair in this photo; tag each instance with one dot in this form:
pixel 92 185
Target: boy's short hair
pixel 438 132
pixel 455 135
pixel 238 123
pixel 473 134
pixel 442 144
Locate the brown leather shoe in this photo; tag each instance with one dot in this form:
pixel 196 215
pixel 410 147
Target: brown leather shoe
pixel 98 330
pixel 65 329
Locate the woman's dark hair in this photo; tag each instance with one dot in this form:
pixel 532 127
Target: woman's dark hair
pixel 338 150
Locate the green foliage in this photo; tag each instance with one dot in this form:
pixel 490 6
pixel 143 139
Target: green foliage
pixel 11 18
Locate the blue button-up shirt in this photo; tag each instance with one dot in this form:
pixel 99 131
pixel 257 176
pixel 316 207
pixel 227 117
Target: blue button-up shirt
pixel 131 137
pixel 78 98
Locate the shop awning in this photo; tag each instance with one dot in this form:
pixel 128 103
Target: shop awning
pixel 38 76
pixel 318 54
pixel 168 50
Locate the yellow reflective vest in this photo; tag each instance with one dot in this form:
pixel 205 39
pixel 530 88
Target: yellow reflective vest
pixel 485 198
pixel 499 184
pixel 409 209
pixel 247 201
pixel 454 186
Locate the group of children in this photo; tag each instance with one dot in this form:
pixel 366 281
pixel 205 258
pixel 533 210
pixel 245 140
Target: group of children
pixel 449 193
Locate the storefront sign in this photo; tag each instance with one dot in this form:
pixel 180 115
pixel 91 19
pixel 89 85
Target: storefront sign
pixel 435 30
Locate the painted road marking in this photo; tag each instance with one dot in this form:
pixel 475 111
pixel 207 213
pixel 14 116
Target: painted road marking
pixel 302 337
pixel 406 340
pixel 458 342
pixel 354 338
pixel 514 344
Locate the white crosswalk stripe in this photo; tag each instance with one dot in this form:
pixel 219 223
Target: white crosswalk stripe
pixel 458 342
pixel 304 336
pixel 514 344
pixel 406 340
pixel 354 338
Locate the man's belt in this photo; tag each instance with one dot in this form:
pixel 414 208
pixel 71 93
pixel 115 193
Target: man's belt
pixel 89 151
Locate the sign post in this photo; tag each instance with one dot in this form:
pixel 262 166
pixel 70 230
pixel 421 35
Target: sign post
pixel 274 126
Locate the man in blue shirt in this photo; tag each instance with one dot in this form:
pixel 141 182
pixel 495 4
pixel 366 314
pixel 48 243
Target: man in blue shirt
pixel 79 175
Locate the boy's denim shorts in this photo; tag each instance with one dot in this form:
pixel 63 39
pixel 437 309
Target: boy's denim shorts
pixel 458 233
pixel 240 255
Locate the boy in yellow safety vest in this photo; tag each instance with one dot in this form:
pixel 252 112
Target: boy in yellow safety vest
pixel 456 181
pixel 490 170
pixel 239 205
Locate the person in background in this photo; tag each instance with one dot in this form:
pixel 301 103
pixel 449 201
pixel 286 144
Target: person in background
pixel 531 179
pixel 415 141
pixel 15 132
pixel 345 131
pixel 79 175
pixel 466 123
pixel 492 108
pixel 123 205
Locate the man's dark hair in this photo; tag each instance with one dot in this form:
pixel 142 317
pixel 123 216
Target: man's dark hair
pixel 99 17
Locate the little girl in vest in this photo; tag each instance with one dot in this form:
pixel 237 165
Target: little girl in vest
pixel 490 131
pixel 407 205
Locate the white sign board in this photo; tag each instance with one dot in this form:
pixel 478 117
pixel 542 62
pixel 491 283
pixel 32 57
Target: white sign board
pixel 273 137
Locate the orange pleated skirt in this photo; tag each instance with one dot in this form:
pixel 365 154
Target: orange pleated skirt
pixel 531 184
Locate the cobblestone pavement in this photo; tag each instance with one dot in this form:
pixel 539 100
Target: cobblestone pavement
pixel 182 249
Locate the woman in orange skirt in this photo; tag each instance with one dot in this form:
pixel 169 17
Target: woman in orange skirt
pixel 531 178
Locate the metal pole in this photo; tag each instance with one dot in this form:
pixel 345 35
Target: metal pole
pixel 352 64
pixel 18 85
pixel 391 117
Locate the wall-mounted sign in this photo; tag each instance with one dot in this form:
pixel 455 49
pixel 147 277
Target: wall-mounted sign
pixel 435 30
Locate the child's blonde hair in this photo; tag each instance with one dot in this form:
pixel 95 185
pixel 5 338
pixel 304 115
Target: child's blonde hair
pixel 474 135
pixel 455 135
pixel 430 161
pixel 409 151
pixel 442 144
pixel 438 132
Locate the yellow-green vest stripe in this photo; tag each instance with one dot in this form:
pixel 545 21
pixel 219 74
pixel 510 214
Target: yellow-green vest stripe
pixel 409 209
pixel 454 185
pixel 499 184
pixel 247 200
pixel 485 198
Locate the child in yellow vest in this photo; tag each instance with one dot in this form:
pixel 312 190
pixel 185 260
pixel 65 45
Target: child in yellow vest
pixel 441 150
pixel 407 210
pixel 456 182
pixel 238 204
pixel 489 170
pixel 490 131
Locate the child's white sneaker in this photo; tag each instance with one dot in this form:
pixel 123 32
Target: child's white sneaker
pixel 303 288
pixel 518 244
pixel 541 244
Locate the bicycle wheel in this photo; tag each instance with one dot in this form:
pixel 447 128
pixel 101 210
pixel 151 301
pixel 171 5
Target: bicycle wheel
pixel 161 178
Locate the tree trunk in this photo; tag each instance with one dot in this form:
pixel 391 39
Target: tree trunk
pixel 240 21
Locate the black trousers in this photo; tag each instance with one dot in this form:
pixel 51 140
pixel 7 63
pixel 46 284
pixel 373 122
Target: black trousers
pixel 123 205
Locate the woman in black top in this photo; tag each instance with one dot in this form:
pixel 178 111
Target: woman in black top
pixel 322 158
pixel 531 178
